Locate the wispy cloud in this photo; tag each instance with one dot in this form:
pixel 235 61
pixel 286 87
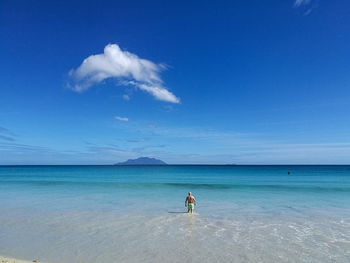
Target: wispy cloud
pixel 195 132
pixel 126 97
pixel 298 3
pixel 3 129
pixel 146 147
pixel 8 135
pixel 125 67
pixel 23 148
pixel 143 139
pixel 121 118
pixel 306 6
pixel 112 149
pixel 6 138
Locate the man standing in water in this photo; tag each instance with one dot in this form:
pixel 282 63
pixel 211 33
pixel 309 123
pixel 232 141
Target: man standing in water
pixel 190 202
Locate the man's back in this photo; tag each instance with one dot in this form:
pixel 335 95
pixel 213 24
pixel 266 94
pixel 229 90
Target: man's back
pixel 190 199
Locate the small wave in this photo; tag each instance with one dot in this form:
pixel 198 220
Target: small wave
pixel 194 186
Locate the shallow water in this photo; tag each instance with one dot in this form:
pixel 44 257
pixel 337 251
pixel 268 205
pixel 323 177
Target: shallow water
pixel 135 214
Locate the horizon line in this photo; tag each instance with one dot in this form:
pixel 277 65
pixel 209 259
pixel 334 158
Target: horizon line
pixel 178 164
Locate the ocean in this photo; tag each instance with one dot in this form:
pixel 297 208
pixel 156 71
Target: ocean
pixel 136 213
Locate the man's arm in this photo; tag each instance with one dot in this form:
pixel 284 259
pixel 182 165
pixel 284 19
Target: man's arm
pixel 186 201
pixel 194 201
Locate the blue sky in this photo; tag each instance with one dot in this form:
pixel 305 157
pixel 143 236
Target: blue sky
pixel 218 82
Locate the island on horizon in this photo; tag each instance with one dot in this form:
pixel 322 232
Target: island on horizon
pixel 142 161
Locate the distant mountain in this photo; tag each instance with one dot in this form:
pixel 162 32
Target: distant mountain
pixel 142 161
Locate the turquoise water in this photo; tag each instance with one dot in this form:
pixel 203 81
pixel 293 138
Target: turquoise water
pixel 130 214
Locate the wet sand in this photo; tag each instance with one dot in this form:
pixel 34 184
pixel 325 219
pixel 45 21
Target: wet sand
pixel 15 260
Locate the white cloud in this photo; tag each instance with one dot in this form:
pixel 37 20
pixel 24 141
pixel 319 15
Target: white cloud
pixel 159 92
pixel 126 97
pixel 121 118
pixel 121 65
pixel 298 3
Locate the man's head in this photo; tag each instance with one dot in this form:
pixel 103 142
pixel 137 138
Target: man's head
pixel 189 193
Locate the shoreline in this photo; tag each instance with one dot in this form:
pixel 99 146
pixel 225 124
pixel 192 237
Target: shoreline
pixel 4 259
